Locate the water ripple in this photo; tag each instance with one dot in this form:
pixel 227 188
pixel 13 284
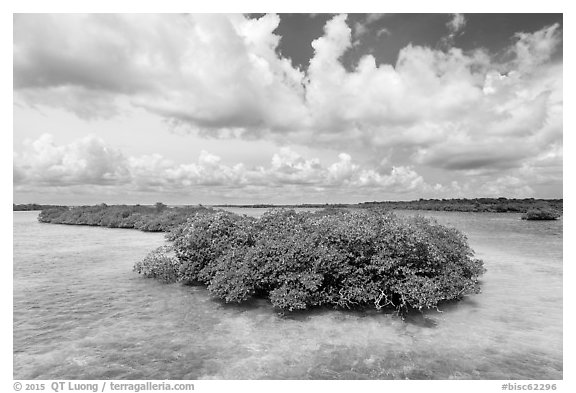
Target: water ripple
pixel 81 313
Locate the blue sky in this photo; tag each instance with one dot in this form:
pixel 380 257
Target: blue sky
pixel 286 108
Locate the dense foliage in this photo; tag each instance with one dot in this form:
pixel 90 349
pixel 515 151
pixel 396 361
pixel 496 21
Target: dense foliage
pixel 340 258
pixel 160 264
pixel 541 214
pixel 157 218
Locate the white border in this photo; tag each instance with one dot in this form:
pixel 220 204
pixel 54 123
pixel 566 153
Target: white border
pixel 305 6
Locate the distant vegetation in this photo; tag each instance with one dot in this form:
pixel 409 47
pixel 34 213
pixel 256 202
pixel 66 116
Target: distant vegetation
pixel 491 205
pixel 32 206
pixel 161 218
pixel 291 206
pixel 157 218
pixel 541 214
pixel 340 258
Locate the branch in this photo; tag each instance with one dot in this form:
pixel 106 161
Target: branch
pixel 379 299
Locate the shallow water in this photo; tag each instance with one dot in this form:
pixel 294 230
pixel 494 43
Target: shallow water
pixel 81 313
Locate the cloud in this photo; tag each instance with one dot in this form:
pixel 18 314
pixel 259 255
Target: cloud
pixel 456 24
pixel 86 161
pixel 455 28
pixel 506 185
pixel 89 165
pixel 85 103
pixel 90 161
pixel 210 70
pixel 451 108
pixel 371 18
pixel 362 27
pixel 534 49
pixel 443 109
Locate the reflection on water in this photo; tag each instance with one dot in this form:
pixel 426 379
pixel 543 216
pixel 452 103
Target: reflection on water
pixel 81 313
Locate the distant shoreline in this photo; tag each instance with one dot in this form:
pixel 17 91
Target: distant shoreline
pixel 481 205
pixel 489 205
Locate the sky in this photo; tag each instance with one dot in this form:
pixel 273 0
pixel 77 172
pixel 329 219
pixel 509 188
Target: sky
pixel 286 108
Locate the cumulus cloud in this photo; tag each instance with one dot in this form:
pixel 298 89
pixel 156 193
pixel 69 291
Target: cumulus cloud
pixel 90 161
pixel 210 70
pixel 506 185
pixel 447 109
pixel 91 164
pixel 86 161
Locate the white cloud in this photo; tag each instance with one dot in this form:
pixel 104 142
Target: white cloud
pixel 371 18
pixel 534 49
pixel 210 70
pixel 447 109
pixel 455 28
pixel 86 161
pixel 91 161
pixel 222 73
pixel 456 24
pixel 362 27
pixel 506 185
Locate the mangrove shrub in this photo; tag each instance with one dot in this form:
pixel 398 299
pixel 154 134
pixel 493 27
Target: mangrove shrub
pixel 541 214
pixel 345 259
pixel 160 264
pixel 157 218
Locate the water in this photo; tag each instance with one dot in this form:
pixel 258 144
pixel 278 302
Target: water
pixel 81 313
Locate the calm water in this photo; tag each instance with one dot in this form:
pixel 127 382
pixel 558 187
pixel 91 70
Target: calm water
pixel 81 313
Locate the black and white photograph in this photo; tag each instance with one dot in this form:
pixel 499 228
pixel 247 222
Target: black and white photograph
pixel 287 196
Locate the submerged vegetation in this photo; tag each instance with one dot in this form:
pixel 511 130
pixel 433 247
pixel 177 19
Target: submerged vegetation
pixel 541 214
pixel 157 218
pixel 344 259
